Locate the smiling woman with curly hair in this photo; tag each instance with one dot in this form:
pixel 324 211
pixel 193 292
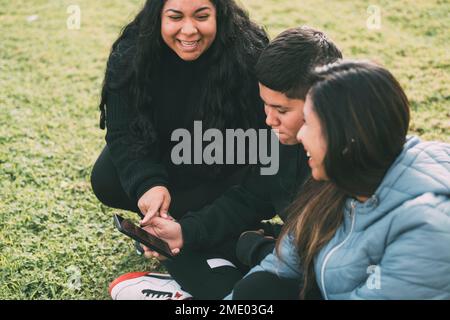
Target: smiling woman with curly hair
pixel 177 62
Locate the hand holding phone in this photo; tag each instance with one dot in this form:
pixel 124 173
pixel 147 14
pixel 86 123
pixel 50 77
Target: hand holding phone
pixel 128 228
pixel 167 230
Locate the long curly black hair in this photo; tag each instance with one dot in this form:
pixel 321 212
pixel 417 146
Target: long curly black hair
pixel 135 59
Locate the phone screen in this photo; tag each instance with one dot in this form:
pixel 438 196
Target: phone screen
pixel 142 236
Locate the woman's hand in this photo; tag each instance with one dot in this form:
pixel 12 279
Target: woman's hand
pixel 167 230
pixel 155 202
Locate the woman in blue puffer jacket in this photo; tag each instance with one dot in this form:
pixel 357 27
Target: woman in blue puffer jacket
pixel 373 222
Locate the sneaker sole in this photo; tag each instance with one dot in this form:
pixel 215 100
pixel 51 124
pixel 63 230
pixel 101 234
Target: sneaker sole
pixel 134 275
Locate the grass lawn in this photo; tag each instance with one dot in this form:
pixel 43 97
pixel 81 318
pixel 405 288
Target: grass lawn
pixel 56 240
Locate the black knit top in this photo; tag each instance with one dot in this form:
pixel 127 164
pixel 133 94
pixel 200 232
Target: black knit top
pixel 174 102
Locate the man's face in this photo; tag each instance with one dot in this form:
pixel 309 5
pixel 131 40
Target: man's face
pixel 282 114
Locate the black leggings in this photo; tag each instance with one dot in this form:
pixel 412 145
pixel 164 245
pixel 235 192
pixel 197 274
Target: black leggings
pixel 108 189
pixel 204 281
pixel 195 273
pixel 207 282
pixel 264 285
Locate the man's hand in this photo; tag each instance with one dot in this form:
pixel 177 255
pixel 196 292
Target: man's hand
pixel 167 230
pixel 155 202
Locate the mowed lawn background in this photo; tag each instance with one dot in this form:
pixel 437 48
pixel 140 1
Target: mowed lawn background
pixel 56 240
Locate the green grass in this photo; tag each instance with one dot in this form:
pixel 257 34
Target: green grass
pixel 52 228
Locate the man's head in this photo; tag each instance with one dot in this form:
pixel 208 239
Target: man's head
pixel 283 71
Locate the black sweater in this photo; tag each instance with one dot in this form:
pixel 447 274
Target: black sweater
pixel 243 207
pixel 177 94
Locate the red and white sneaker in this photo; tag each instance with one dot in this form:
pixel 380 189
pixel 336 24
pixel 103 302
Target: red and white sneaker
pixel 146 286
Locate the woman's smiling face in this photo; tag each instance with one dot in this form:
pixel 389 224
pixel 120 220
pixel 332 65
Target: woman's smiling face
pixel 188 27
pixel 313 140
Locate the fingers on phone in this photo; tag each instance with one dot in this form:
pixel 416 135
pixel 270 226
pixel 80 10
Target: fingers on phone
pixel 156 255
pixel 148 254
pixel 148 216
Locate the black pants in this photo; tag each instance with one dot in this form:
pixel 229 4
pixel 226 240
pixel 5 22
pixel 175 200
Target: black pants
pixel 108 189
pixel 195 273
pixel 266 286
pixel 203 281
pixel 192 270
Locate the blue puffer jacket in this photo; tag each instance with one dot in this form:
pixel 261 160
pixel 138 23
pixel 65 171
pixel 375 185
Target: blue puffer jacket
pixel 396 245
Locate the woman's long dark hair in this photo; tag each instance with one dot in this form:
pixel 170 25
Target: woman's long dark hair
pixel 135 63
pixel 364 116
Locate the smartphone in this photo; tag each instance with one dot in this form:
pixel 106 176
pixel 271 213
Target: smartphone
pixel 128 228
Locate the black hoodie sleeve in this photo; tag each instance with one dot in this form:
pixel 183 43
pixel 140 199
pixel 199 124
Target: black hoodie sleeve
pixel 137 175
pixel 237 210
